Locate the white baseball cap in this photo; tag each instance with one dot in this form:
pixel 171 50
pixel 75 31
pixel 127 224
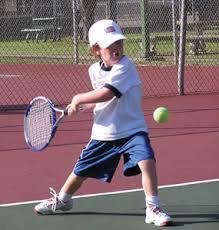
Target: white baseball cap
pixel 104 33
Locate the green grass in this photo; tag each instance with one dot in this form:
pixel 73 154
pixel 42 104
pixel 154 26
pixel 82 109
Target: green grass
pixel 49 48
pixel 62 51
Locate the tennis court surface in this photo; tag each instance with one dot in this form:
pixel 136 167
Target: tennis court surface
pixel 186 151
pixel 192 207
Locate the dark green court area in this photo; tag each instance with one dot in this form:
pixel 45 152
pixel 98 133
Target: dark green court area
pixel 193 207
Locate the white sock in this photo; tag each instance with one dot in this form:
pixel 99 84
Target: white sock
pixel 63 196
pixel 152 201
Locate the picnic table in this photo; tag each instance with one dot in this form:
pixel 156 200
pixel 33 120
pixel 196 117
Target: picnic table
pixel 203 33
pixel 43 28
pixel 199 33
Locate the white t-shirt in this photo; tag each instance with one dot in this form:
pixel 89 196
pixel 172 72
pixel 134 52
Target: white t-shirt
pixel 121 116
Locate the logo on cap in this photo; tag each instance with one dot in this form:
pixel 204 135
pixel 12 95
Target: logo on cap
pixel 110 29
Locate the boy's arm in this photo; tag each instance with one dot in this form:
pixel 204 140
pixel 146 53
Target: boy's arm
pixel 88 106
pixel 91 97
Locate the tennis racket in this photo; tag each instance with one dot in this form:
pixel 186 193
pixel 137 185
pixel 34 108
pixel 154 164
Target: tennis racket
pixel 41 122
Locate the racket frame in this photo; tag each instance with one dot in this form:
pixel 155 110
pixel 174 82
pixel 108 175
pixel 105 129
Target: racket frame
pixel 55 121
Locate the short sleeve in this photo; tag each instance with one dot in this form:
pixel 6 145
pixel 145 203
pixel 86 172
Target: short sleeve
pixel 95 82
pixel 123 75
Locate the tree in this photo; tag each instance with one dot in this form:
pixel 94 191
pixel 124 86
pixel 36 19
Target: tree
pixel 87 15
pixel 207 9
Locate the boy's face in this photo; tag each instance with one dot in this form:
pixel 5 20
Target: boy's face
pixel 112 54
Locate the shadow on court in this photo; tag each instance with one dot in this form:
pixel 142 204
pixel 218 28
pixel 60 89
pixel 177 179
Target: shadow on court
pixel 191 206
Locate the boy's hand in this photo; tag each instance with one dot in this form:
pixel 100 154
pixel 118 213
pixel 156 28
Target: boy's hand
pixel 71 109
pixel 74 107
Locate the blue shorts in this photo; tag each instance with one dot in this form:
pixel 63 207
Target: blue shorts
pixel 99 159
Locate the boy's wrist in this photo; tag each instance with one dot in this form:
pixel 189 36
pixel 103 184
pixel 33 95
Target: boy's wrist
pixel 76 100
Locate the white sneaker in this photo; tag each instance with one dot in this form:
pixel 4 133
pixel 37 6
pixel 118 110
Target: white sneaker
pixel 50 206
pixel 155 215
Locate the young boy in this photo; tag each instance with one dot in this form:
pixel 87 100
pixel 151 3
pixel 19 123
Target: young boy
pixel 119 128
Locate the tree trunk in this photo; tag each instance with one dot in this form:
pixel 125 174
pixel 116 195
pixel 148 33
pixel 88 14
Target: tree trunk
pixel 87 16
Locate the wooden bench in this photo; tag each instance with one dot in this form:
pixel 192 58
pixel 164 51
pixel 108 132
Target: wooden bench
pixel 38 33
pixel 33 33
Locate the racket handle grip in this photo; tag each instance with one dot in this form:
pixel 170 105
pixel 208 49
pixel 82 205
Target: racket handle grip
pixel 65 111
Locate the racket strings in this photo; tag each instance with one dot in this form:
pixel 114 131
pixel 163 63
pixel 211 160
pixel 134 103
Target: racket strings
pixel 40 122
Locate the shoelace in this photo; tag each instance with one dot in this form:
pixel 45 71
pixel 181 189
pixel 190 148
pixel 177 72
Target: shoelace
pixel 53 200
pixel 158 211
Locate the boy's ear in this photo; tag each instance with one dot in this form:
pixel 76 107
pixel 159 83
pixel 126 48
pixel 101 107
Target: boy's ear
pixel 97 52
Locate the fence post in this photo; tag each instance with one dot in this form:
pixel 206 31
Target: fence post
pixel 182 47
pixel 75 31
pixel 175 35
pixel 145 29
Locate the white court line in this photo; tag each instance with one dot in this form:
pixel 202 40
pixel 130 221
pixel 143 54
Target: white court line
pixel 117 192
pixel 9 75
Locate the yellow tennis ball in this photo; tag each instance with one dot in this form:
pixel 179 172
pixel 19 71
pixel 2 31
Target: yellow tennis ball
pixel 161 115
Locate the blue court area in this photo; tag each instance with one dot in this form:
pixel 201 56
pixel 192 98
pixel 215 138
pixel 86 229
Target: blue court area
pixel 192 206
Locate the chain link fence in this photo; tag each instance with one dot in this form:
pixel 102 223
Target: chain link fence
pixel 44 47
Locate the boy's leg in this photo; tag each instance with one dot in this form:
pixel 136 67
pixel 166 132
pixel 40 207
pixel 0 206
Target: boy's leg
pixel 154 214
pixel 149 177
pixel 61 201
pixel 72 184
